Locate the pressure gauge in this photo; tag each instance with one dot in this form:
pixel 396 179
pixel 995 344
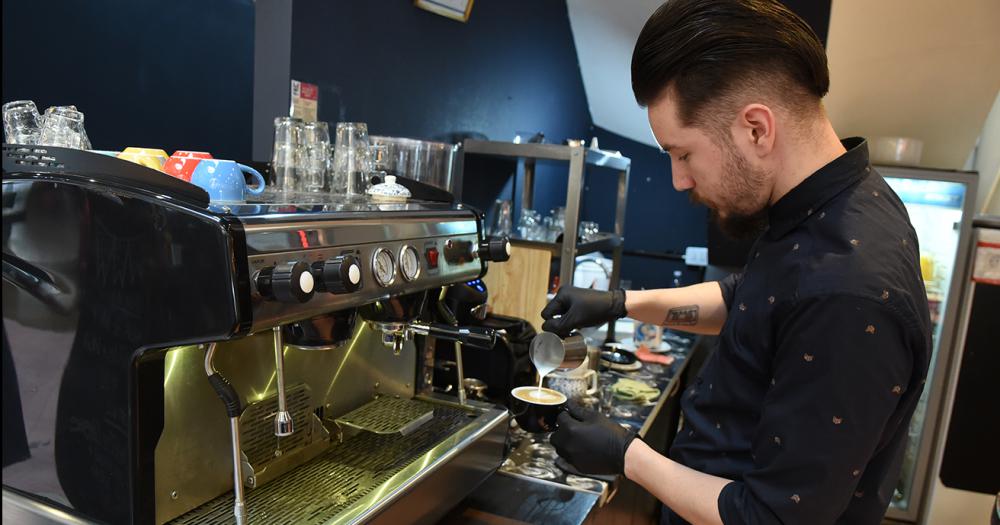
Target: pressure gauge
pixel 383 267
pixel 409 263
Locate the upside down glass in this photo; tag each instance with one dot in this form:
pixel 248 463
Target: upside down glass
pixel 72 112
pixel 351 159
pixel 63 127
pixel 288 154
pixel 316 151
pixel 21 122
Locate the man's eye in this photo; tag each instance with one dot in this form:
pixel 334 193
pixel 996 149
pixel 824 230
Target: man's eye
pixel 684 157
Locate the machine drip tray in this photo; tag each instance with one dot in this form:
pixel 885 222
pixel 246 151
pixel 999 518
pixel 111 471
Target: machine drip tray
pixel 354 479
pixel 389 415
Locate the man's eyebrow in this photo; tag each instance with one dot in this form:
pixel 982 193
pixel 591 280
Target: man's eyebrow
pixel 667 147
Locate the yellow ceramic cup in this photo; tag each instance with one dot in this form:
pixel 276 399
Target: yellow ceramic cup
pixel 149 157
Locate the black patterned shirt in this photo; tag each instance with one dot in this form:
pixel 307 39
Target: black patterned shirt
pixel 807 400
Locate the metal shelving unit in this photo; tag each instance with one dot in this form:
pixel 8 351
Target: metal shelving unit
pixel 579 158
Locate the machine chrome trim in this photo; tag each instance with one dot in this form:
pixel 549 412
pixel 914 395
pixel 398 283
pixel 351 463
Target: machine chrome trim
pixel 270 238
pixel 27 511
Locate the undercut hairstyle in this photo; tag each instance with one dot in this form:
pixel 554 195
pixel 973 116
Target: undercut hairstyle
pixel 712 54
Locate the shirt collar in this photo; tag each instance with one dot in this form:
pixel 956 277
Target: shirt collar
pixel 813 192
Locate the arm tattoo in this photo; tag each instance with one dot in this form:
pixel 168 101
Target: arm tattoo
pixel 682 316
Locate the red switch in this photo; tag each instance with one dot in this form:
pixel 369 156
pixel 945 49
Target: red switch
pixel 432 258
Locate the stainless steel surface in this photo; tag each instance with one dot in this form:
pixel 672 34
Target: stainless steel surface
pixel 274 237
pixel 424 161
pixel 239 500
pixel 283 423
pixel 388 415
pixel 363 239
pixel 460 372
pixel 197 464
pixel 25 511
pixel 594 157
pixel 368 473
pixel 574 188
pixel 528 191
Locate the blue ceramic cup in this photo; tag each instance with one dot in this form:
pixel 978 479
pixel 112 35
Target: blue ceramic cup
pixel 226 181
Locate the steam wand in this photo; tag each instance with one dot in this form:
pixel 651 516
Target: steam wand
pixel 231 399
pixel 283 424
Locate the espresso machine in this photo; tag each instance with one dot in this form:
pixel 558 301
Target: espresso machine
pixel 172 360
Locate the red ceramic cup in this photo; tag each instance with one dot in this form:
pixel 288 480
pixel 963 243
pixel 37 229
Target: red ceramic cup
pixel 182 163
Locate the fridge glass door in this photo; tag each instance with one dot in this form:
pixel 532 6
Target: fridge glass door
pixel 935 208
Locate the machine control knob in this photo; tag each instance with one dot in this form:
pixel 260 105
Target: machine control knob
pixel 289 282
pixel 495 249
pixel 338 275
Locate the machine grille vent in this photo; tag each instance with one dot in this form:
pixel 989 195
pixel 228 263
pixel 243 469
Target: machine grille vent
pixel 324 487
pixel 257 426
pixel 31 156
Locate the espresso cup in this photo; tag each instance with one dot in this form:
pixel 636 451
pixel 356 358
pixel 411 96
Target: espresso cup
pixel 534 413
pixel 149 157
pixel 182 163
pixel 573 386
pixel 226 181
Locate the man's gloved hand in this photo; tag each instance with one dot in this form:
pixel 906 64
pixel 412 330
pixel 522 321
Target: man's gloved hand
pixel 580 307
pixel 592 442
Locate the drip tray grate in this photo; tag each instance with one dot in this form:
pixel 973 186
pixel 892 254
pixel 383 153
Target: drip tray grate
pixel 389 415
pixel 322 488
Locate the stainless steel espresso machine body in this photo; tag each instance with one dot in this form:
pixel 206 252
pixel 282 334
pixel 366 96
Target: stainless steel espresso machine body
pixel 131 305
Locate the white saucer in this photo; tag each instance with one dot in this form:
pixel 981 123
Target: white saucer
pixel 629 344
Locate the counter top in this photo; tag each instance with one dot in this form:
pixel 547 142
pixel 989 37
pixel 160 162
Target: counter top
pixel 534 485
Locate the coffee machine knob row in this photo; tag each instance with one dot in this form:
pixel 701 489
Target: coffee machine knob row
pixel 290 282
pixel 496 249
pixel 338 275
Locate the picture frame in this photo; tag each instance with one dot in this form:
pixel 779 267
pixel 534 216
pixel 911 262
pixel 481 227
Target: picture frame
pixel 454 9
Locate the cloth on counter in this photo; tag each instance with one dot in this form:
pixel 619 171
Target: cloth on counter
pixel 632 390
pixel 645 355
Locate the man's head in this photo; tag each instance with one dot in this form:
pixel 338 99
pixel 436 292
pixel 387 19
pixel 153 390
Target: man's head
pixel 730 86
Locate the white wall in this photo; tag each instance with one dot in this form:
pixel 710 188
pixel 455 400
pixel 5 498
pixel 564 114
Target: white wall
pixel 925 69
pixel 988 160
pixel 604 33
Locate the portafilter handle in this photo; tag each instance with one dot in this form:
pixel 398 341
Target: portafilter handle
pixel 472 336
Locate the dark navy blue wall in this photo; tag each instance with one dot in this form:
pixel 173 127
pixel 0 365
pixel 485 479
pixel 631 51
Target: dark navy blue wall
pixel 657 219
pixel 408 72
pixel 172 75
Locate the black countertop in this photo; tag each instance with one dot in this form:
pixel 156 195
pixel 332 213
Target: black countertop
pixel 534 485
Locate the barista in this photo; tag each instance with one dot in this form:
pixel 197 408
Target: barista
pixel 801 414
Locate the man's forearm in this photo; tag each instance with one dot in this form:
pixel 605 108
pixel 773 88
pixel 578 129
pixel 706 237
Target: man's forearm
pixel 698 308
pixel 691 494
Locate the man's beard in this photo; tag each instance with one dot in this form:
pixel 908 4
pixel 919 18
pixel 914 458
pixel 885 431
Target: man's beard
pixel 742 182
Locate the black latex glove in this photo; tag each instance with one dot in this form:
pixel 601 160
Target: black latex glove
pixel 581 307
pixel 591 441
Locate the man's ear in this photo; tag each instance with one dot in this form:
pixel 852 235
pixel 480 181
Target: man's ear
pixel 755 127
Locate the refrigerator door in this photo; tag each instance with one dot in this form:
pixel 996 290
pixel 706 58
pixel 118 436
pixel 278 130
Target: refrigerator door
pixel 940 207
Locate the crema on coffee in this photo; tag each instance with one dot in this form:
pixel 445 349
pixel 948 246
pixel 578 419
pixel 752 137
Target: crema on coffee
pixel 538 396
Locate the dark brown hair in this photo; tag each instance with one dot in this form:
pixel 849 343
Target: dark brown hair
pixel 709 51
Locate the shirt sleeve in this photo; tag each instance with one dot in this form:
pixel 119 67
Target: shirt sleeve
pixel 839 370
pixel 728 287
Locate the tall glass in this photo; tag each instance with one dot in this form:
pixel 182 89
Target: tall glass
pixel 21 122
pixel 287 157
pixel 351 159
pixel 316 151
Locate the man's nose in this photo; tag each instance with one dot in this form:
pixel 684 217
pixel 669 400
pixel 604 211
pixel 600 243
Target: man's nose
pixel 682 181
